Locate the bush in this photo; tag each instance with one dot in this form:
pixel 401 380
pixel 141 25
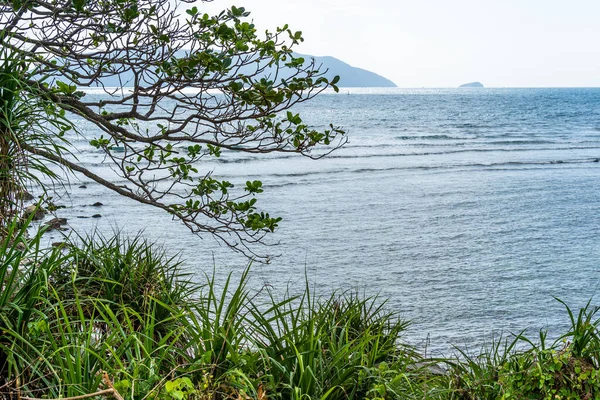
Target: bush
pixel 119 314
pixel 320 347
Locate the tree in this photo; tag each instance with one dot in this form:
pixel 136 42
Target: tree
pixel 24 118
pixel 199 85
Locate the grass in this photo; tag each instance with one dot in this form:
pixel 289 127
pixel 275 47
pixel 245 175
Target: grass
pixel 26 118
pixel 119 315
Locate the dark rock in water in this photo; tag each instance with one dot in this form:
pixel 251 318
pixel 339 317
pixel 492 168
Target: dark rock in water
pixel 37 212
pixel 597 160
pixel 82 187
pixel 432 368
pixel 97 204
pixel 56 223
pixel 96 216
pixel 472 85
pixel 24 195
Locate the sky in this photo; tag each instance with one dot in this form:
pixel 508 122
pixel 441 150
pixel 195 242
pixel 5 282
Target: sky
pixel 445 43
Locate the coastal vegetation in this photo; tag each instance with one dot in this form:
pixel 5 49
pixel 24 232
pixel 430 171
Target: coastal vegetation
pixel 119 318
pixel 191 88
pixel 101 317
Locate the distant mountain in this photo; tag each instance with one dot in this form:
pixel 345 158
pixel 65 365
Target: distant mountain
pixel 350 76
pixel 472 84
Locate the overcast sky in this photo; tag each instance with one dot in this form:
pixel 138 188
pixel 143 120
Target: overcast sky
pixel 444 43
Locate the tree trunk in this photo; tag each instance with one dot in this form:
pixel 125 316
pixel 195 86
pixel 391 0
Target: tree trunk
pixel 8 189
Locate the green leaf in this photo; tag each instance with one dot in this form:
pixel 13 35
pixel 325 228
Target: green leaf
pixel 130 14
pixel 78 5
pixel 170 386
pixel 187 382
pixel 193 11
pixel 177 394
pixel 227 62
pixel 237 12
pixel 66 88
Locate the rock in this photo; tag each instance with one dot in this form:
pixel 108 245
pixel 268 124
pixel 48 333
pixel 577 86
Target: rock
pixel 437 370
pixel 97 204
pixel 24 195
pixel 432 368
pixel 82 187
pixel 471 85
pixel 96 216
pixel 37 212
pixel 56 223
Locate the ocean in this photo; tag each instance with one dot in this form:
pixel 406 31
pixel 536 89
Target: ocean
pixel 468 210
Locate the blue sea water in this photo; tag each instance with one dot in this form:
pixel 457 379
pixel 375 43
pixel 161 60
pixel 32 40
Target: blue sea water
pixel 467 209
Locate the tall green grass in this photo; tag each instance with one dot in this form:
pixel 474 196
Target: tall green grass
pixel 312 346
pixel 119 314
pixel 27 120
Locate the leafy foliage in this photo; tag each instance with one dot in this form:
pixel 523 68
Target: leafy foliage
pixel 318 347
pixel 86 316
pixel 197 88
pixel 26 117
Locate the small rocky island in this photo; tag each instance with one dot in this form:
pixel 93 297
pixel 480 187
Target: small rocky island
pixel 472 84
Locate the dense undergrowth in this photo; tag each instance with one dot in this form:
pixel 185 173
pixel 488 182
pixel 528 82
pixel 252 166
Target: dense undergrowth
pixel 119 318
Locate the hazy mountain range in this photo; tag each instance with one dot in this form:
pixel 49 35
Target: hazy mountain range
pixel 349 76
